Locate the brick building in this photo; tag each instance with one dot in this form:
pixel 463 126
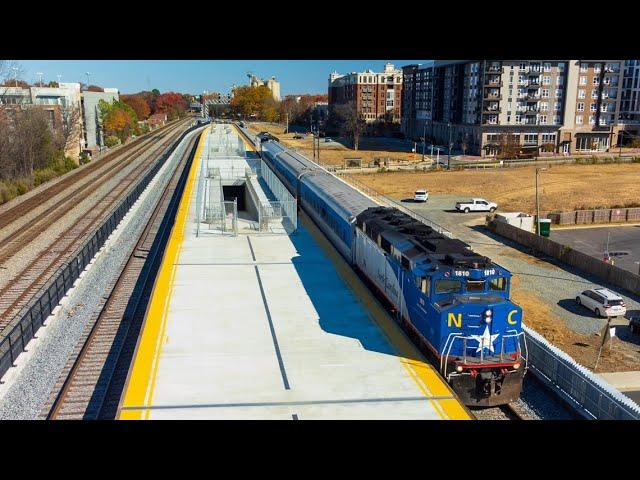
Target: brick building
pixel 377 96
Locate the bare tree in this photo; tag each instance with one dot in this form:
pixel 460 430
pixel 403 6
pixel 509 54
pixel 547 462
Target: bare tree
pixel 9 69
pixel 352 123
pixel 508 146
pixel 70 129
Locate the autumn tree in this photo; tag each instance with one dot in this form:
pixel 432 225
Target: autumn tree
pixel 171 103
pixel 138 104
pixel 255 101
pixel 118 119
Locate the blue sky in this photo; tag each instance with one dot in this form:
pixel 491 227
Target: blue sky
pixel 195 76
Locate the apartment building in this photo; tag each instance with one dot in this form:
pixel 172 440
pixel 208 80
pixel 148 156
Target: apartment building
pixel 554 105
pixel 377 96
pixel 93 134
pixel 630 103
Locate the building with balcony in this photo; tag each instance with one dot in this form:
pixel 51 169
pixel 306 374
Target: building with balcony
pixel 630 99
pixel 538 102
pixel 377 96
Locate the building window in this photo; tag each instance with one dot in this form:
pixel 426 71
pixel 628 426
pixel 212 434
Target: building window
pixel 578 119
pixel 548 138
pixel 594 94
pixel 543 119
pixel 593 107
pixel 584 67
pixel 580 107
pixel 547 66
pixel 583 80
pixel 530 138
pixel 592 120
pixel 596 80
pixel 557 106
pixel 546 80
pixel 545 93
pixel 581 93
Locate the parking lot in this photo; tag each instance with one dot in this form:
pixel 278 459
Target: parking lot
pixel 545 288
pixel 624 243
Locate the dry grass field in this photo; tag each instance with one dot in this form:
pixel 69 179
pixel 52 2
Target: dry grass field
pixel 332 153
pixel 561 188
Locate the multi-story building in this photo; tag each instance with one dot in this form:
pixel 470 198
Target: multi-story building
pixel 377 96
pixel 93 134
pixel 630 103
pixel 272 84
pixel 560 105
pixel 61 104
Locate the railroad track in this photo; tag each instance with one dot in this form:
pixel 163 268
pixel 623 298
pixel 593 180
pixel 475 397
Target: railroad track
pixel 92 380
pixel 18 290
pixel 510 411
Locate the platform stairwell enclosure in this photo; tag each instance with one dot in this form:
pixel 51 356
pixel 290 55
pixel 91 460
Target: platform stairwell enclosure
pixel 32 316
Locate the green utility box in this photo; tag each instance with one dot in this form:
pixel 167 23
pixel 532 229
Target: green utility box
pixel 545 227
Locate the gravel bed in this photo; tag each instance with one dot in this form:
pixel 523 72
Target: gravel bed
pixel 539 404
pixel 25 393
pixel 46 239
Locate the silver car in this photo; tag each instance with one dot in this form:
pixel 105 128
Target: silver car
pixel 603 302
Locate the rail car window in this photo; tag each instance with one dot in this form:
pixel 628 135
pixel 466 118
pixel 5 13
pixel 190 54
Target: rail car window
pixel 498 284
pixel 475 286
pixel 405 263
pixel 425 285
pixel 384 244
pixel 448 286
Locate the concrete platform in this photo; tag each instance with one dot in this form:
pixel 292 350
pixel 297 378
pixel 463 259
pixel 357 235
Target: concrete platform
pixel 265 327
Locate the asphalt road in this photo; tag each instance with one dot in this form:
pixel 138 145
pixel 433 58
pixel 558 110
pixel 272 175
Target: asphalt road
pixel 623 240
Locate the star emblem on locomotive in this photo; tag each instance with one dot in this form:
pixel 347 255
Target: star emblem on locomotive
pixel 485 340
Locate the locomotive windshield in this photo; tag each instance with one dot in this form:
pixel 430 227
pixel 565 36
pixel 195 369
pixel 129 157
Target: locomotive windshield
pixel 498 284
pixel 448 286
pixel 475 286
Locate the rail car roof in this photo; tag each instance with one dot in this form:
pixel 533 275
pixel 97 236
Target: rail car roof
pixel 349 200
pixel 293 160
pixel 419 242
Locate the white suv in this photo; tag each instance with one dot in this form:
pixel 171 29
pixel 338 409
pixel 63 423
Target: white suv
pixel 421 196
pixel 603 302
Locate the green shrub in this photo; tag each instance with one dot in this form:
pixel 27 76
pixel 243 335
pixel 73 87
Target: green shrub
pixel 84 158
pixel 111 141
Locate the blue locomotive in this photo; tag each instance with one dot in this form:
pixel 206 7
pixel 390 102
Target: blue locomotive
pixel 453 302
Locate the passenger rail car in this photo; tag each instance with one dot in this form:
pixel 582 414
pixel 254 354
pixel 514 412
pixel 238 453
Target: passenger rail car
pixel 455 302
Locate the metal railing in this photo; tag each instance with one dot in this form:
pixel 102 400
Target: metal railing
pixel 32 316
pixel 587 393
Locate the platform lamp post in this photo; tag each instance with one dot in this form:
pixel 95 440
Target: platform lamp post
pixel 538 170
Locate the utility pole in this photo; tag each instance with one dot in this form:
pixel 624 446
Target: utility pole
pixel 449 155
pixel 424 140
pixel 40 76
pixel 88 74
pixel 287 117
pixel 538 169
pixel 15 75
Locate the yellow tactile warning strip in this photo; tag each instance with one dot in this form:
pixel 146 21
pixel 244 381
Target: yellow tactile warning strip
pixel 142 379
pixel 431 384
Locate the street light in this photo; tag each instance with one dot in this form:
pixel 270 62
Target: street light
pixel 40 75
pixel 88 74
pixel 424 139
pixel 538 170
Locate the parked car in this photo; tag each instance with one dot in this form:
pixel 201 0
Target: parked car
pixel 297 136
pixel 476 205
pixel 634 324
pixel 421 196
pixel 603 302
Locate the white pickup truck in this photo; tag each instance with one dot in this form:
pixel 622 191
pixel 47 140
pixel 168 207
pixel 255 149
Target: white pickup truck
pixel 476 205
